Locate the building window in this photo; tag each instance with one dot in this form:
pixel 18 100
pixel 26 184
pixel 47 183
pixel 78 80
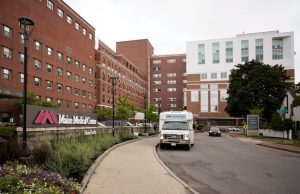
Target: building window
pixel 203 75
pixel 156 75
pixel 49 51
pixel 213 76
pixel 91 83
pixel 37 64
pixel 69 75
pixel 21 57
pixel 7 52
pixel 76 78
pixel 48 99
pixel 83 93
pixel 277 48
pixel 49 68
pixel 7 31
pixel 259 49
pixel 90 36
pixel 171 89
pixel 204 101
pixel 60 13
pixel 171 75
pixel 216 52
pixel 37 46
pixel 76 91
pixel 83 106
pixel 83 31
pixel 156 62
pixel 59 87
pixel 83 80
pixel 90 71
pixel 229 52
pixel 184 60
pixel 69 90
pixel 50 5
pixel 59 72
pixel 59 103
pixel 171 82
pixel 156 68
pixel 156 99
pixel 37 81
pixel 83 67
pixel 6 74
pixel 224 95
pixel 244 50
pixel 21 77
pixel 39 98
pixel 60 56
pixel 157 90
pixel 194 96
pixel 76 64
pixel 156 82
pixel 49 85
pixel 68 103
pixel 172 99
pixel 77 26
pixel 170 61
pixel 201 53
pixel 90 95
pixel 69 20
pixel 224 75
pixel 90 107
pixel 69 60
pixel 22 40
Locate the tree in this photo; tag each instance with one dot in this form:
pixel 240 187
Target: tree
pixel 31 99
pixel 104 114
pixel 151 115
pixel 255 85
pixel 125 110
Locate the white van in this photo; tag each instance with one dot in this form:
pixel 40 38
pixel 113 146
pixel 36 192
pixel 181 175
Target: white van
pixel 176 128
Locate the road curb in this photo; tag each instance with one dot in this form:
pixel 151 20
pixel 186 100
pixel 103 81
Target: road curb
pixel 171 173
pixel 280 148
pixel 96 163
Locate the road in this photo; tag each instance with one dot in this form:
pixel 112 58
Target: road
pixel 228 165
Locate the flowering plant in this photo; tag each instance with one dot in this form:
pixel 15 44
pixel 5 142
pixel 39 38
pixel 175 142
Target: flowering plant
pixel 18 178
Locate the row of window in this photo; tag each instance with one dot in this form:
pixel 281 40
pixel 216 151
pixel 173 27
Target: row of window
pixel 158 75
pixel 171 99
pixel 169 82
pixel 222 75
pixel 69 19
pixel 277 51
pixel 168 90
pixel 7 75
pixel 169 61
pixel 60 103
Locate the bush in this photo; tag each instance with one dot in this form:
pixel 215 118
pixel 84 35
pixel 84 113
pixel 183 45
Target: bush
pixel 9 150
pixel 8 132
pixel 17 178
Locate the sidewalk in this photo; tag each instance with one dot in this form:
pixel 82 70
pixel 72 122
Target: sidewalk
pixel 268 143
pixel 133 169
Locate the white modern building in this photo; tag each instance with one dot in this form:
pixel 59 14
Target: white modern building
pixel 208 65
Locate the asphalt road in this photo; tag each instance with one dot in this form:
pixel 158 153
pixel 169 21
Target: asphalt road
pixel 228 165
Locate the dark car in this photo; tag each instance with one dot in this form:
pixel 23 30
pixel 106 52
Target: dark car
pixel 214 131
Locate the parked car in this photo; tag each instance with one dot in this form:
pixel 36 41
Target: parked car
pixel 100 124
pixel 232 129
pixel 118 123
pixel 214 131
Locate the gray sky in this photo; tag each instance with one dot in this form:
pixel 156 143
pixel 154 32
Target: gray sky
pixel 168 24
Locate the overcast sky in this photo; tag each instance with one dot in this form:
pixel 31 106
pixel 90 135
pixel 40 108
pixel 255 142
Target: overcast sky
pixel 168 24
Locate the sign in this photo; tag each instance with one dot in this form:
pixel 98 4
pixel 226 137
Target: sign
pixel 253 122
pixel 245 126
pixel 89 132
pixel 38 116
pixel 176 116
pixel 282 110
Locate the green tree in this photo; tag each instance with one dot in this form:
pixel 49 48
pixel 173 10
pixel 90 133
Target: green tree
pixel 31 99
pixel 104 114
pixel 125 110
pixel 276 122
pixel 151 115
pixel 256 85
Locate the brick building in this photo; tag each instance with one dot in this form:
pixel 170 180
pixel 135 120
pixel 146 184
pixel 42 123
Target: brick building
pixel 131 81
pixel 167 81
pixel 60 56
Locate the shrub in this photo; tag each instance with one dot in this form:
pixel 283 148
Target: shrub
pixel 8 132
pixel 17 178
pixel 9 150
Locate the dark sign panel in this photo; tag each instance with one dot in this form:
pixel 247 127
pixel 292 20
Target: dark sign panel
pixel 253 122
pixel 38 116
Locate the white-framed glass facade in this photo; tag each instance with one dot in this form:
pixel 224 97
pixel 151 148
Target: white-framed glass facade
pixel 244 50
pixel 277 48
pixel 259 49
pixel 201 53
pixel 216 52
pixel 229 51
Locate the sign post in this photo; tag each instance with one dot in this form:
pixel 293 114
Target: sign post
pixel 252 125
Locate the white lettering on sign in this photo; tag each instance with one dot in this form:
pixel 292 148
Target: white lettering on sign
pixel 77 120
pixel 89 132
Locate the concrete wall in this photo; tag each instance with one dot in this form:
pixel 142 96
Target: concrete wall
pixel 273 133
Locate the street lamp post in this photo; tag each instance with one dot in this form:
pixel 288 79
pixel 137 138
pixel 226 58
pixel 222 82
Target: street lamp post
pixel 25 24
pixel 113 80
pixel 145 101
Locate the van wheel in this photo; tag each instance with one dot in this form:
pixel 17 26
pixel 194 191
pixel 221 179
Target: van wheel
pixel 188 147
pixel 162 146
